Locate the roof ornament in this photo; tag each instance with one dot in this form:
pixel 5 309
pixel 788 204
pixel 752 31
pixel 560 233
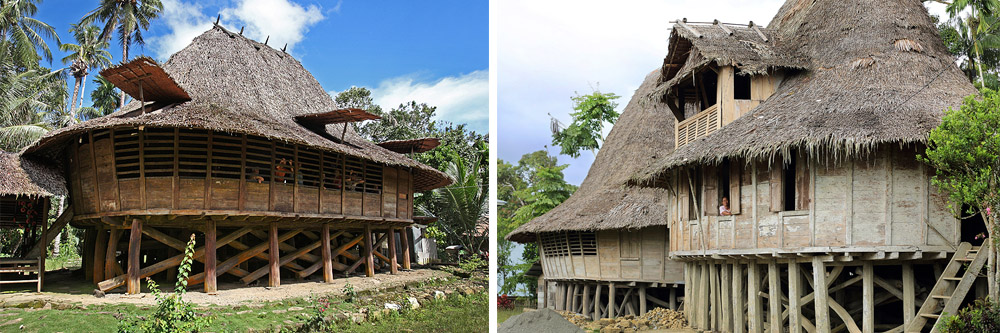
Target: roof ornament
pixel 683 23
pixel 267 39
pixel 241 31
pixel 757 29
pixel 217 19
pixel 283 48
pixel 723 26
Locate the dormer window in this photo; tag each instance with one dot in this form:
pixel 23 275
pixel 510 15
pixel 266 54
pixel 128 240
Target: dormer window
pixel 741 87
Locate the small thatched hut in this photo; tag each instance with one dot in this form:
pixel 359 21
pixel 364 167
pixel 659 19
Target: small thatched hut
pixel 26 187
pixel 606 235
pixel 810 129
pixel 234 137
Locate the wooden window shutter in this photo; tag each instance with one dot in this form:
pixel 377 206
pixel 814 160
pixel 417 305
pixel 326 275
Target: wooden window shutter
pixel 774 178
pixel 683 196
pixel 710 199
pixel 735 173
pixel 802 192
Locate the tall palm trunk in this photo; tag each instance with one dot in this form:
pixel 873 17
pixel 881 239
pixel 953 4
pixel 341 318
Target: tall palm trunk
pixel 121 102
pixel 973 27
pixel 76 92
pixel 83 89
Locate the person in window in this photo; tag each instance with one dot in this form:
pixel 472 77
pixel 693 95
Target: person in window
pixel 724 209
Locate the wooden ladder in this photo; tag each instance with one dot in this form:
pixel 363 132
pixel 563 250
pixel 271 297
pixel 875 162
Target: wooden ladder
pixel 951 288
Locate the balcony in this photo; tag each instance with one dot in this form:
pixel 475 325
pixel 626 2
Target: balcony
pixel 702 124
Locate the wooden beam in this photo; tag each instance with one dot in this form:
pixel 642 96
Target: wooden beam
pixel 406 246
pixel 392 252
pixel 585 309
pixel 713 299
pixel 727 298
pixel 703 295
pixel 327 257
pixel 821 303
pixel 369 258
pixel 755 311
pixel 100 248
pixel 111 260
pixel 794 283
pixel 642 299
pixel 211 287
pixel 50 233
pixel 738 299
pixel 274 273
pixel 597 303
pixel 774 290
pixel 868 297
pixel 909 294
pixel 135 237
pixel 611 300
pixel 281 262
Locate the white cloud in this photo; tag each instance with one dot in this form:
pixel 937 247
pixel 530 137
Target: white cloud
pixel 459 99
pixel 186 21
pixel 280 21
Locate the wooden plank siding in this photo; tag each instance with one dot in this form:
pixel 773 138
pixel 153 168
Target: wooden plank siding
pixel 617 255
pixel 885 202
pixel 128 169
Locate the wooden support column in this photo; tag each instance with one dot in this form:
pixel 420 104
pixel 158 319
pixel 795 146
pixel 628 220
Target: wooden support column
pixel 327 257
pixel 405 234
pixel 774 293
pixel 210 258
pixel 111 267
pixel 688 295
pixel 673 298
pixel 794 282
pixel 868 297
pixel 739 299
pixel 597 302
pixel 642 299
pixel 755 312
pixel 726 299
pixel 611 300
pixel 274 276
pixel 100 250
pixel 392 251
pixel 135 237
pixel 369 257
pixel 821 296
pixel 713 304
pixel 909 294
pixel 585 310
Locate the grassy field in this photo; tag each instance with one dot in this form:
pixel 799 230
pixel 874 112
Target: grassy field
pixel 503 315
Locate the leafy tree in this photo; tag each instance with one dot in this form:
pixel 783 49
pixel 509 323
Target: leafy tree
pixel 978 32
pixel 955 35
pixel 88 52
pixel 22 34
pixel 105 97
pixel 527 190
pixel 461 206
pixel 29 104
pixel 964 151
pixel 127 18
pixel 592 111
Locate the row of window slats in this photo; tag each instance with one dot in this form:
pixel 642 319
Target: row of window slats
pixel 705 123
pixel 192 146
pixel 571 243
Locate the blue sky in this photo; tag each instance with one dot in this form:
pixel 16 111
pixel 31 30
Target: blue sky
pixel 434 52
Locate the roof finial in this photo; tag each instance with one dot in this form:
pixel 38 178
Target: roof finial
pixel 217 19
pixel 283 48
pixel 267 39
pixel 241 31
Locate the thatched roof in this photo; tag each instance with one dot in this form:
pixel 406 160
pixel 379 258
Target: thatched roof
pixel 420 145
pixel 238 85
pixel 643 134
pixel 24 176
pixel 877 73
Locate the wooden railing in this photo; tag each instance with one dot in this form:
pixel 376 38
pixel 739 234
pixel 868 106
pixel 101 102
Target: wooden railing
pixel 704 123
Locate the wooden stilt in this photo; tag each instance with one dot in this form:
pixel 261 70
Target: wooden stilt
pixel 673 298
pixel 868 297
pixel 909 294
pixel 392 252
pixel 739 299
pixel 611 300
pixel 100 250
pixel 585 310
pixel 703 296
pixel 274 275
pixel 688 284
pixel 111 254
pixel 210 258
pixel 560 296
pixel 327 257
pixel 597 302
pixel 774 293
pixel 642 299
pixel 755 312
pixel 87 257
pixel 726 299
pixel 821 300
pixel 135 237
pixel 406 232
pixel 713 299
pixel 794 282
pixel 369 257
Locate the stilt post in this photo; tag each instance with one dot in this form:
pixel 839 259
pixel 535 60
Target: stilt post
pixel 327 256
pixel 739 299
pixel 774 293
pixel 100 250
pixel 868 297
pixel 274 276
pixel 134 239
pixel 822 296
pixel 369 257
pixel 755 312
pixel 210 258
pixel 909 295
pixel 794 282
pixel 405 237
pixel 392 251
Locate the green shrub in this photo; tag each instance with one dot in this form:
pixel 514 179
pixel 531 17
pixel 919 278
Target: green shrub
pixel 473 264
pixel 981 316
pixel 172 313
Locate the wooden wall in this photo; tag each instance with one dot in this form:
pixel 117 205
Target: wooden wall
pixel 621 255
pixel 126 169
pixel 885 202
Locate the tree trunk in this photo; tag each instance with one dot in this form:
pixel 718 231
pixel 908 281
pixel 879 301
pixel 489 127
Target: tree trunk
pixel 974 34
pixel 83 89
pixel 58 239
pixel 121 102
pixel 72 102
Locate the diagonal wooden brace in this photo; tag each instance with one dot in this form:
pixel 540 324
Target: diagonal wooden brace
pixel 282 262
pixel 342 249
pixel 240 258
pixel 179 245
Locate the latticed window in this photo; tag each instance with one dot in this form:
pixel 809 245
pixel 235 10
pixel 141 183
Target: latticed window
pixel 333 171
pixel 373 178
pixel 354 177
pixel 192 147
pixel 126 152
pixel 308 164
pixel 258 161
pixel 227 151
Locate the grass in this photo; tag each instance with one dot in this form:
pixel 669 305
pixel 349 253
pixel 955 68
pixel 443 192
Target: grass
pixel 503 315
pixel 455 314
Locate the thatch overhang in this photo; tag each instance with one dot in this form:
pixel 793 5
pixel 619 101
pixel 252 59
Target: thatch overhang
pixel 752 49
pixel 338 116
pixel 411 146
pixel 878 73
pixel 23 176
pixel 238 85
pixel 144 80
pixel 643 134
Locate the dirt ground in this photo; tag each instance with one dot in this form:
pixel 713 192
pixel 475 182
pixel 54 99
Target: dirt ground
pixel 61 288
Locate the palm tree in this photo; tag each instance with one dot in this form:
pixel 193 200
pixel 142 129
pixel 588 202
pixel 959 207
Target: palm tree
pixel 461 206
pixel 128 18
pixel 105 97
pixel 22 34
pixel 29 102
pixel 89 52
pixel 979 26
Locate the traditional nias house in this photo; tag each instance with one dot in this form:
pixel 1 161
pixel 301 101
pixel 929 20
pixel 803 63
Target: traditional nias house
pixel 810 129
pixel 236 142
pixel 25 189
pixel 605 251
